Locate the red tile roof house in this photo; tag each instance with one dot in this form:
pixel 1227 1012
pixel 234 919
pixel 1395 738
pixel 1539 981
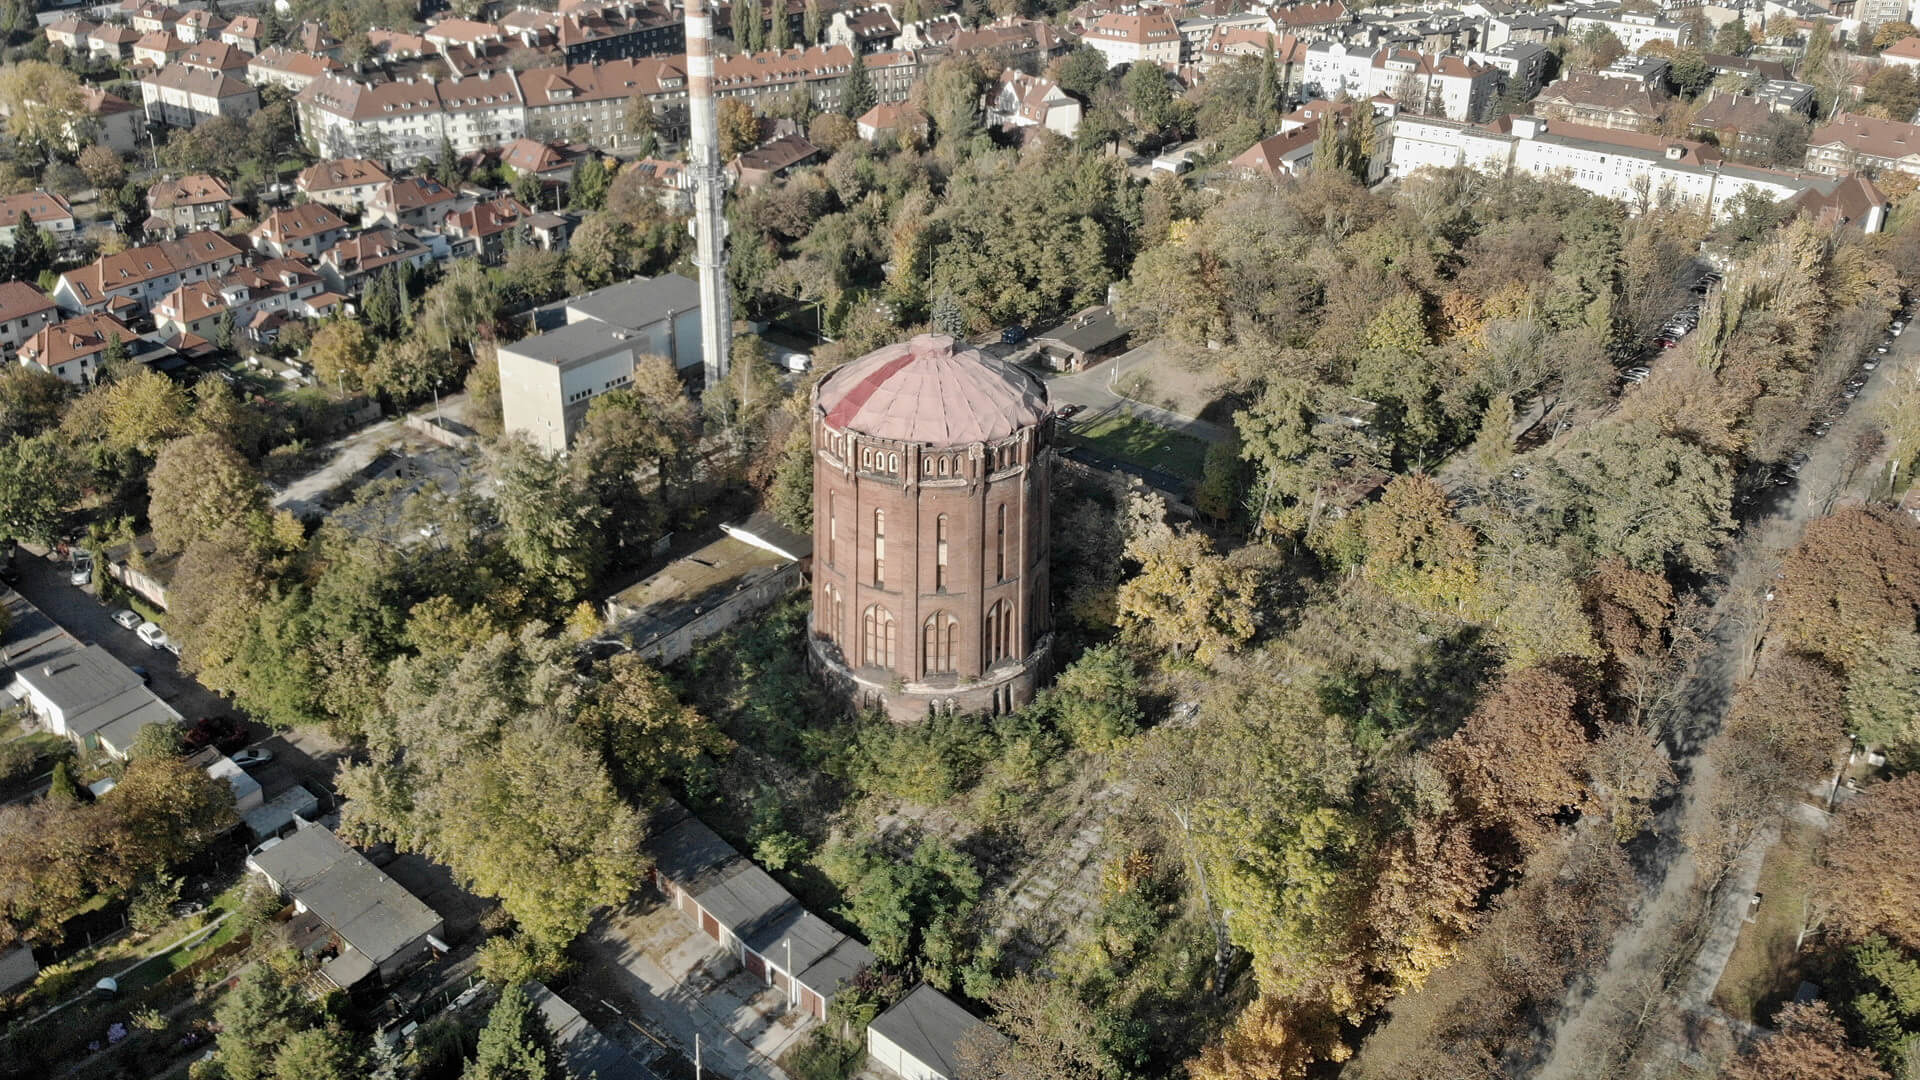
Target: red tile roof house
pixel 483 229
pixel 271 285
pixel 24 312
pixel 192 202
pixel 306 229
pixel 141 276
pixel 769 161
pixel 349 263
pixel 74 349
pixel 413 202
pixel 343 183
pixel 45 209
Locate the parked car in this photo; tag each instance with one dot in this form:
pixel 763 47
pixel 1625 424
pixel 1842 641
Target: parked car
pixel 1013 335
pixel 252 756
pixel 128 618
pixel 1067 412
pixel 142 672
pixel 152 635
pixel 1635 374
pixel 221 732
pixel 1869 365
pixel 82 573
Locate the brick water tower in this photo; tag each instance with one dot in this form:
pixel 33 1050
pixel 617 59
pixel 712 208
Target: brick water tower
pixel 930 486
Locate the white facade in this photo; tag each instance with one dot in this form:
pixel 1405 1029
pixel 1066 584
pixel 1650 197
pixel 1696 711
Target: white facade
pixel 1630 170
pixel 1632 28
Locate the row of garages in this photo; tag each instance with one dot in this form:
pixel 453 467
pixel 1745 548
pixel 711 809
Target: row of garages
pixel 743 910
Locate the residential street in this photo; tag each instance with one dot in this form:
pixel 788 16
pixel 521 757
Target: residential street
pixel 1615 998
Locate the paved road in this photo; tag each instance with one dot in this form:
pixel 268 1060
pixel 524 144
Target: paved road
pixel 1094 390
pixel 1603 1009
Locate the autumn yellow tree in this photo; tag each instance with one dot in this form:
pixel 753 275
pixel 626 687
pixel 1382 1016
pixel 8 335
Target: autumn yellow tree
pixel 1187 598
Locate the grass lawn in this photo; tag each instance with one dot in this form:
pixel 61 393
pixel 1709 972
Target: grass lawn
pixel 1129 438
pixel 1764 970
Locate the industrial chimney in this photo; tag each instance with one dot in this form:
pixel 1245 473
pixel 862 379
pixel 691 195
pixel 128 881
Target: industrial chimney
pixel 709 197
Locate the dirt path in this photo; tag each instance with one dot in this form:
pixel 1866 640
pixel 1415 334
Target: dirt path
pixel 1677 916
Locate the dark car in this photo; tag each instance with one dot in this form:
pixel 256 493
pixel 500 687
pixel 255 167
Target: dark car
pixel 1013 335
pixel 224 733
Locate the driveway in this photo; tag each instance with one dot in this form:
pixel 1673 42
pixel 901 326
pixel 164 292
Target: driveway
pixel 1096 390
pixel 670 981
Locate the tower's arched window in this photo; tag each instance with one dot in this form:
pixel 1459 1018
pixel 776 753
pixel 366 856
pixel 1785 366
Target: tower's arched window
pixel 876 637
pixel 940 553
pixel 879 549
pixel 833 527
pixel 1000 547
pixel 936 646
pixel 997 634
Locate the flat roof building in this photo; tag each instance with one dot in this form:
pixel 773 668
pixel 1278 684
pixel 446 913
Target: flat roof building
pixel 547 381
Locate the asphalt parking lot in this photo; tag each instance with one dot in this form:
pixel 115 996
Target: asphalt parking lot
pixel 43 581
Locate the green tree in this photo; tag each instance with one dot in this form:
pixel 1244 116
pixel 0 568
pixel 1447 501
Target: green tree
pixel 342 350
pixel 1733 37
pixel 811 23
pixel 1883 689
pixel 638 722
pixel 1149 98
pixel 790 499
pixel 515 1044
pixel 590 180
pixel 1270 100
pixel 779 30
pixel 739 128
pixel 321 1053
pixel 203 489
pixel 38 481
pixel 540 826
pixel 62 788
pixel 33 249
pixel 857 94
pixel 1096 700
pixel 265 1008
pixel 1082 72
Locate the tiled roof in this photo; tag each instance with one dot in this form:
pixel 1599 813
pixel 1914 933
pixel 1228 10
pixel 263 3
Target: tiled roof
pixel 82 335
pixel 195 80
pixel 410 193
pixel 932 389
pixel 298 222
pixel 19 300
pixel 339 173
pixel 1870 135
pixel 39 206
pixel 137 265
pixel 196 190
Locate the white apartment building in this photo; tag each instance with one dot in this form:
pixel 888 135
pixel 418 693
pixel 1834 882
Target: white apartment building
pixel 1139 35
pixel 1640 171
pixel 405 121
pixel 1633 28
pixel 1458 88
pixel 182 96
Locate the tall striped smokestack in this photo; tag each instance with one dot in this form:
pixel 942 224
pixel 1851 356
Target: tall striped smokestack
pixel 709 197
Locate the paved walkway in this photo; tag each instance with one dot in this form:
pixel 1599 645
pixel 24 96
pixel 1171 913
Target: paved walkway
pixel 1097 388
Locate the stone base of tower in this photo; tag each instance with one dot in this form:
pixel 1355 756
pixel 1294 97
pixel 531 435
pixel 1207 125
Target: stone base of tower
pixel 1007 687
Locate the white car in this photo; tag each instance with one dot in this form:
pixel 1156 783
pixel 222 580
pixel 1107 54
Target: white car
pixel 82 574
pixel 127 618
pixel 252 756
pixel 152 634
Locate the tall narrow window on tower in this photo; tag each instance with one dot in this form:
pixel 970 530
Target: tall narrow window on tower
pixel 1000 557
pixel 940 553
pixel 879 549
pixel 833 528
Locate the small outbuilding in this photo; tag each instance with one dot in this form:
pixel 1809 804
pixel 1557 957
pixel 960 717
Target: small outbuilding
pixel 920 1037
pixel 1082 341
